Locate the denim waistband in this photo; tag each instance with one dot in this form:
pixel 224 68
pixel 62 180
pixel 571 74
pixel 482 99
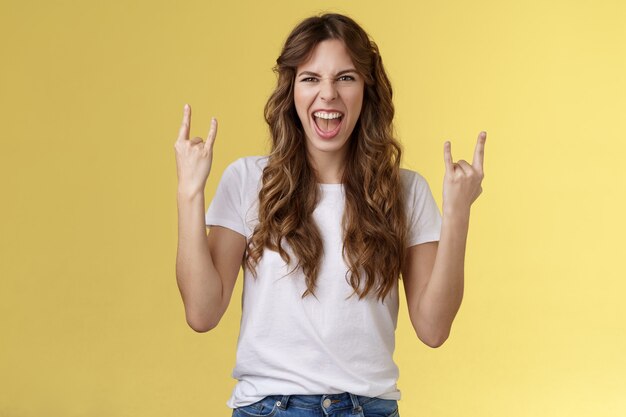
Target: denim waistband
pixel 329 402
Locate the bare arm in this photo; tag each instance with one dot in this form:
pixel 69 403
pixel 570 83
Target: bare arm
pixel 206 266
pixel 434 272
pixel 434 281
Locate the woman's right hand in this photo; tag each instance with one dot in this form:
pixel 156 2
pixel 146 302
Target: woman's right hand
pixel 193 156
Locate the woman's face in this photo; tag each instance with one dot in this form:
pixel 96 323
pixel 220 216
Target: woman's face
pixel 328 95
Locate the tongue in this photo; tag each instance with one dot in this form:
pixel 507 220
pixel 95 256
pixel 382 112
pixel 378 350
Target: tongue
pixel 327 125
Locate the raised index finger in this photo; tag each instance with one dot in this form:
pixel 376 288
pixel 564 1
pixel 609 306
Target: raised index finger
pixel 479 152
pixel 212 133
pixel 183 133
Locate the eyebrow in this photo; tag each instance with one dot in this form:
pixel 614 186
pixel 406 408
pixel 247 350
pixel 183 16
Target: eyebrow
pixel 336 75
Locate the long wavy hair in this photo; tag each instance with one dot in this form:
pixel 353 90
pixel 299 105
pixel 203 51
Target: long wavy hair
pixel 374 223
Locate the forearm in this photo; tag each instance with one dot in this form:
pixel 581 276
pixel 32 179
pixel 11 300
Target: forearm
pixel 197 278
pixel 443 294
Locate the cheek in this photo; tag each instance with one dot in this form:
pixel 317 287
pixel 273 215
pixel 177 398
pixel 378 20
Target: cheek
pixel 301 102
pixel 353 95
pixel 355 100
pixel 302 95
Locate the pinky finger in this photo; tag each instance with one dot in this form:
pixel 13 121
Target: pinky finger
pixel 447 156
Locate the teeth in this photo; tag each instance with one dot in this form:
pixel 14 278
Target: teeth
pixel 324 115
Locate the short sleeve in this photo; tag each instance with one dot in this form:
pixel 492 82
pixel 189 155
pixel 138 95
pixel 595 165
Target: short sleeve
pixel 424 218
pixel 225 208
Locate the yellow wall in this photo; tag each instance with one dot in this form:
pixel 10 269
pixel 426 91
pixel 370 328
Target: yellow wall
pixel 91 97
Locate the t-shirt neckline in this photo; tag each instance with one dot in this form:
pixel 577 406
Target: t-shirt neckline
pixel 330 186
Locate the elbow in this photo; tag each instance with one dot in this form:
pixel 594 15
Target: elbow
pixel 430 333
pixel 434 344
pixel 433 341
pixel 201 325
pixel 201 328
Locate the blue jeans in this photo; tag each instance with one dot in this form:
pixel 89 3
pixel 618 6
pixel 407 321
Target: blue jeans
pixel 329 405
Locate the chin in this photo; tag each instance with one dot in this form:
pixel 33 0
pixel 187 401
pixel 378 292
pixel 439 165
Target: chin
pixel 322 145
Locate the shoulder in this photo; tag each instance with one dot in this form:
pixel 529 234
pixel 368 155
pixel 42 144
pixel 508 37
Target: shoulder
pixel 421 207
pixel 247 167
pixel 412 180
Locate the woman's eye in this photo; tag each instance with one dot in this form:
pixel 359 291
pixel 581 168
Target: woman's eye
pixel 308 79
pixel 346 78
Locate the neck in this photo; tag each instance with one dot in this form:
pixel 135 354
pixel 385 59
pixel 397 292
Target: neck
pixel 328 166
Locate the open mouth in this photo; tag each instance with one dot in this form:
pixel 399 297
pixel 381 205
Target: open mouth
pixel 327 124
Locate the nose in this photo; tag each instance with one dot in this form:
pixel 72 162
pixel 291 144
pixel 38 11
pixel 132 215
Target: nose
pixel 328 91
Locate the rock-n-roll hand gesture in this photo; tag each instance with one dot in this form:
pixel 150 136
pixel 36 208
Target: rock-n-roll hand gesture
pixel 462 181
pixel 193 156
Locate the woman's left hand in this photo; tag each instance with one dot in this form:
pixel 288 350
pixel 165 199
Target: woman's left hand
pixel 462 181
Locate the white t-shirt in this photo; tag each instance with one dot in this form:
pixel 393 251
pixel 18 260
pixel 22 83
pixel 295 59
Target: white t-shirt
pixel 324 345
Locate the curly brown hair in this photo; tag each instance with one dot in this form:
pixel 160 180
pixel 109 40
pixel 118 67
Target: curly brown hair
pixel 374 222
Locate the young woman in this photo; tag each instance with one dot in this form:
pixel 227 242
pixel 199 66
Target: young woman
pixel 323 227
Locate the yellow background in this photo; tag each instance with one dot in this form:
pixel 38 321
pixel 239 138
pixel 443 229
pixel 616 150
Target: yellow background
pixel 91 99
